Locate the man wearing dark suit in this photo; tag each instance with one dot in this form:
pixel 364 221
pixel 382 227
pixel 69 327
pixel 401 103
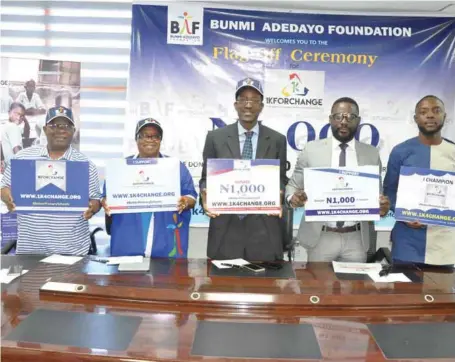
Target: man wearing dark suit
pixel 252 237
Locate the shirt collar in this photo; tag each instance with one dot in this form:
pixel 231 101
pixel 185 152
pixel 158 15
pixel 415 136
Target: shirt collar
pixel 66 156
pixel 336 144
pixel 159 155
pixel 242 130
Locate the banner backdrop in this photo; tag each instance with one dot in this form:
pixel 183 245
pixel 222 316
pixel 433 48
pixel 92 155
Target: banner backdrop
pixel 186 60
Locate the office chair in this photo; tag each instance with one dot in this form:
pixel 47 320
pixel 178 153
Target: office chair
pixel 381 254
pixel 373 254
pixel 92 250
pixel 289 242
pixel 10 245
pixel 108 223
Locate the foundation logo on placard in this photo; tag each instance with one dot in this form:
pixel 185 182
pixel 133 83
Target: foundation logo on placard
pixel 341 184
pixel 142 178
pixel 436 195
pixel 242 165
pixel 50 173
pixel 291 89
pixel 185 25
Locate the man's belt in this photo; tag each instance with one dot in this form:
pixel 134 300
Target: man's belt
pixel 342 230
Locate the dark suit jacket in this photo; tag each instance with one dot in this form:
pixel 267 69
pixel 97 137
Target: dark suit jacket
pixel 224 143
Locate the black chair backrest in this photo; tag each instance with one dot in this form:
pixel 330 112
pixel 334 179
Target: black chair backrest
pixel 288 218
pixel 108 223
pixel 10 245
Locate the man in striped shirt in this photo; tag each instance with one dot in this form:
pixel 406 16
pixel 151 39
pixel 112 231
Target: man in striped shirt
pixel 66 234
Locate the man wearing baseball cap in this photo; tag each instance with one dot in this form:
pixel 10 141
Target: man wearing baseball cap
pixel 252 237
pixel 153 234
pixel 66 234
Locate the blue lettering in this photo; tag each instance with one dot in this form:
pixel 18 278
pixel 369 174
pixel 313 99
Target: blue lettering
pixel 311 134
pixel 217 123
pixel 374 133
pixel 324 131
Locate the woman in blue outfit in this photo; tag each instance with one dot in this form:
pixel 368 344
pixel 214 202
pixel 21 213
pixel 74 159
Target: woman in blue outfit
pixel 158 234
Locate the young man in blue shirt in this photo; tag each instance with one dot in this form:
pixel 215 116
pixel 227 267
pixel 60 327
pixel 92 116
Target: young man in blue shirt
pixel 413 242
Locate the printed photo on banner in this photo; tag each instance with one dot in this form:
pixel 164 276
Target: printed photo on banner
pixel 29 87
pixel 304 62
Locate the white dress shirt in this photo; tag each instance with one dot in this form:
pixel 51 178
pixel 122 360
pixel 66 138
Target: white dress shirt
pixel 11 138
pixel 35 102
pixel 351 161
pixel 38 120
pixel 254 138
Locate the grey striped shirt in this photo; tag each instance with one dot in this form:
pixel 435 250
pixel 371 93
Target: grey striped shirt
pixel 66 234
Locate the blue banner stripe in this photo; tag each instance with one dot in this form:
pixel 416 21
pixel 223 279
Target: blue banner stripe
pixel 347 173
pixel 409 171
pixel 337 212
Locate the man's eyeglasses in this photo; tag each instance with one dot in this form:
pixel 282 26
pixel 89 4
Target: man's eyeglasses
pixel 63 127
pixel 253 102
pixel 146 137
pixel 350 117
pixel 435 110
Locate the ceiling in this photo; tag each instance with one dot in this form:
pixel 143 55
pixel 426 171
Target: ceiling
pixel 441 7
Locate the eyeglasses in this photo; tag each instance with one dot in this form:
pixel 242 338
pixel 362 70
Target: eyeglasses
pixel 153 137
pixel 435 110
pixel 350 117
pixel 253 102
pixel 63 127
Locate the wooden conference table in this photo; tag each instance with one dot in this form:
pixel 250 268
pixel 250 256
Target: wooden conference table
pixel 188 310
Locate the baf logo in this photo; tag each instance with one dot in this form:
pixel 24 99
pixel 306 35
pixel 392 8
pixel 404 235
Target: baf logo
pixel 295 87
pixel 185 27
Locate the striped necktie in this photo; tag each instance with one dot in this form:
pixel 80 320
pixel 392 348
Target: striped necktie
pixel 247 154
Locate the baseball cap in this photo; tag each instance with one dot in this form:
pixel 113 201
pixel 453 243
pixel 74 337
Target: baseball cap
pixel 148 122
pixel 57 112
pixel 249 82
